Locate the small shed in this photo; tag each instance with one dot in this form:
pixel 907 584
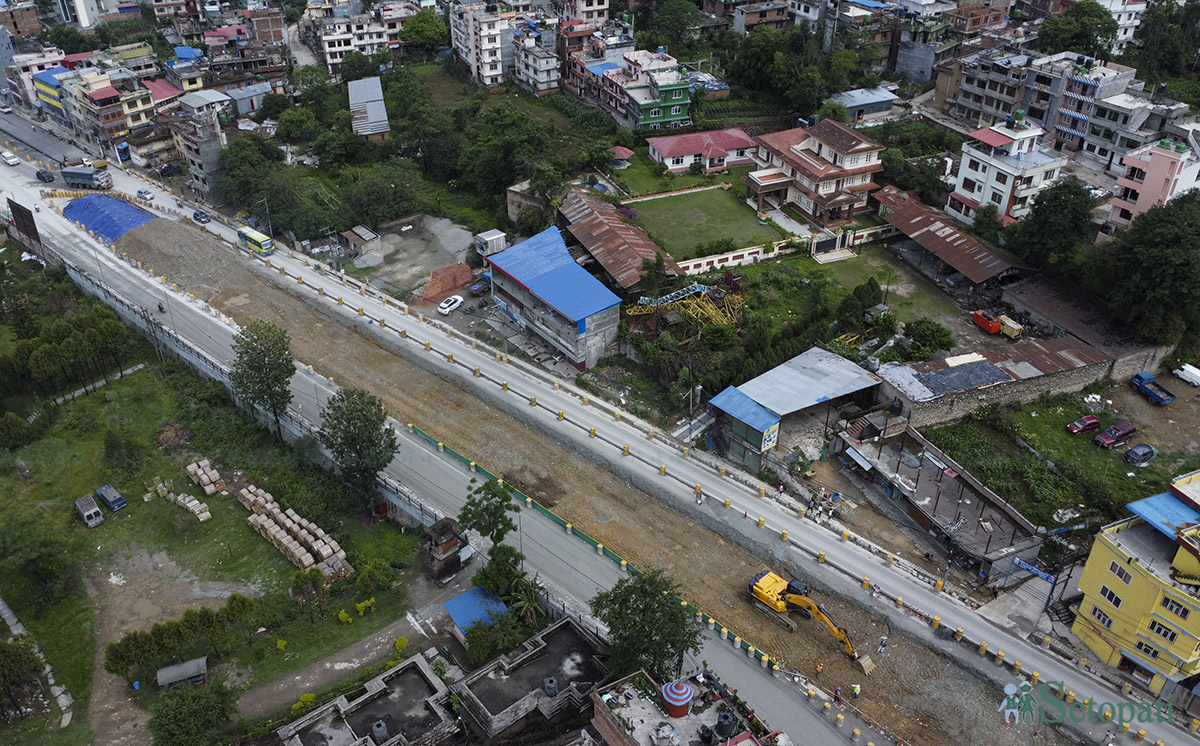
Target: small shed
pixel 864 103
pixel 476 605
pixel 449 548
pixel 194 671
pixel 359 240
pixel 621 156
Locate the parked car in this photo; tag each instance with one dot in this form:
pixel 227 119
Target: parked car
pixel 200 216
pixel 145 194
pixel 5 109
pixel 1118 434
pixel 1141 454
pixel 1084 424
pixel 10 158
pixel 111 497
pixel 170 169
pixel 449 305
pixel 45 175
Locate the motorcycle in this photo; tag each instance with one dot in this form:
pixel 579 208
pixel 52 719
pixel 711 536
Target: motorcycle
pixel 162 308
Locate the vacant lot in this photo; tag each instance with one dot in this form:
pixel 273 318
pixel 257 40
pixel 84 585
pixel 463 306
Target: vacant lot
pixel 685 222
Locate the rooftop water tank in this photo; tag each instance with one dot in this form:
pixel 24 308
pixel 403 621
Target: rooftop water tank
pixel 677 697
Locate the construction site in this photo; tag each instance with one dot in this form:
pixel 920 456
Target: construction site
pixel 916 692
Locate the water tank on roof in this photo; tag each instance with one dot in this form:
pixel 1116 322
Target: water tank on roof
pixel 550 686
pixel 379 731
pixel 706 735
pixel 724 727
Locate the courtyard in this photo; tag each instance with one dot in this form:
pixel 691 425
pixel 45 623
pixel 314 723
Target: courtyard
pixel 683 223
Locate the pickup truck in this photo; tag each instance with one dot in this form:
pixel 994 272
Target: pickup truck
pixel 86 177
pixel 1153 390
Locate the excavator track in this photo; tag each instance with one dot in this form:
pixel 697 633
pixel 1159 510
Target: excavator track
pixel 780 619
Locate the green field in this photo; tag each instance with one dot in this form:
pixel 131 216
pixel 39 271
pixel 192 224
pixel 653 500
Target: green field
pixel 642 177
pixel 685 222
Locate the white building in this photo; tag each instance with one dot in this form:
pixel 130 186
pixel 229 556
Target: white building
pixel 1128 14
pixel 1006 165
pixel 535 65
pixel 592 12
pixel 339 36
pixel 483 40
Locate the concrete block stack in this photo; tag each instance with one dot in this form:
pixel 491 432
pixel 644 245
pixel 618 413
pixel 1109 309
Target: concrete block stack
pixel 202 473
pixel 303 542
pixel 187 502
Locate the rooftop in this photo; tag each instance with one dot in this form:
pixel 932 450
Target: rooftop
pixel 197 99
pixel 161 89
pixel 618 246
pixel 864 97
pixel 476 605
pixel 168 675
pixel 560 652
pixel 1165 512
pixel 812 377
pixel 741 407
pixel 543 266
pixel 938 234
pixel 681 145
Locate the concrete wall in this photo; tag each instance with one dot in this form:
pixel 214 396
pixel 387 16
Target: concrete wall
pixel 915 60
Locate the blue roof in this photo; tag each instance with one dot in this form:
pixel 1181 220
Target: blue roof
pixel 736 404
pixel 47 76
pixel 473 606
pixel 544 267
pixel 188 53
pixel 1164 512
pixel 869 3
pixel 598 69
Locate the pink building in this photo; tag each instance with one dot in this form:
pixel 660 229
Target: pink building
pixel 1154 175
pixel 714 150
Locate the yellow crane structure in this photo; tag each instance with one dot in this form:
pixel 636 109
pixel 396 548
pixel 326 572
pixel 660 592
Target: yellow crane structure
pixel 777 598
pixel 696 303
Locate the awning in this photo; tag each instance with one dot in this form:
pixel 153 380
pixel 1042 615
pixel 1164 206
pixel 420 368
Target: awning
pixel 858 459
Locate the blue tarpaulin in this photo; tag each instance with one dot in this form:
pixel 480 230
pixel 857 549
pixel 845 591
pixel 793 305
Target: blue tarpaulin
pixel 1164 512
pixel 473 606
pixel 108 217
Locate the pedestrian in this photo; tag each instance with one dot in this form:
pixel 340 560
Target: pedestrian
pixel 995 591
pixel 781 488
pixel 837 696
pixel 820 668
pixel 882 644
pixel 856 689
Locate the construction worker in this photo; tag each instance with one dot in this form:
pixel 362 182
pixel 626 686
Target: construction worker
pixel 820 668
pixel 856 689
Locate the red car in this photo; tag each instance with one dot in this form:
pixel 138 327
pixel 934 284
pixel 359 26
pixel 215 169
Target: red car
pixel 1084 424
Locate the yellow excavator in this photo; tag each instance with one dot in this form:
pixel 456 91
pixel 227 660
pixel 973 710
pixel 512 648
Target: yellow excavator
pixel 777 598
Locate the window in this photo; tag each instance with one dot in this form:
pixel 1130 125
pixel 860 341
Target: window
pixel 1109 596
pixel 676 109
pixel 677 94
pixel 656 112
pixel 973 165
pixel 854 160
pixel 996 198
pixel 1162 630
pixel 1175 607
pixel 1150 651
pixel 1121 573
pixel 968 185
pixel 1001 178
pixel 677 160
pixel 1101 617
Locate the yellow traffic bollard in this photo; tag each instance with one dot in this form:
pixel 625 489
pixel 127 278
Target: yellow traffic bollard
pixel 899 602
pixel 449 357
pixel 845 535
pixel 1141 735
pixel 625 450
pixel 699 489
pixel 761 521
pixel 428 346
pixel 477 374
pixel 1070 697
pixel 783 536
pixel 841 720
pixel 728 503
pixel 1000 657
pixel 592 432
pixel 866 581
pixel 821 557
pixel 890 559
pixel 382 321
pixel 722 471
pixel 1033 677
pixel 404 335
pixel 940 584
pixel 533 401
pixel 762 491
pixel 618 416
pixel 504 385
pixel 937 622
pixel 958 633
pixel 662 470
pixel 585 401
pixel 560 414
pixel 983 648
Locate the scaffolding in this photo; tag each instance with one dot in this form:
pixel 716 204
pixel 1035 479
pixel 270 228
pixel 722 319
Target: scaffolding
pixel 695 303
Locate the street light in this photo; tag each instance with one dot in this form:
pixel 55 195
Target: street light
pixel 696 390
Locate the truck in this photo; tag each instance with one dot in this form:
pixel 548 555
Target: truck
pixel 1153 390
pixel 110 497
pixel 89 511
pixel 993 324
pixel 86 177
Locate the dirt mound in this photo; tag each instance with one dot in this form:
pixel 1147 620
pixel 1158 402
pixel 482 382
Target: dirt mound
pixel 183 254
pixel 172 436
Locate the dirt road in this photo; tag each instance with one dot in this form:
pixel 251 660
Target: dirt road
pixel 907 691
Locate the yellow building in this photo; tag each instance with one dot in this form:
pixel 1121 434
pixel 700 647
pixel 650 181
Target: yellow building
pixel 1140 611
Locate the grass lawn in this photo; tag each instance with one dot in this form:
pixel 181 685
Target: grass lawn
pixel 909 293
pixel 642 178
pixel 447 90
pixel 683 222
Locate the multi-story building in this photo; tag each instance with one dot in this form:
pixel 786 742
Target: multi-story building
pixel 1060 92
pixel 1140 612
pixel 1128 121
pixel 810 12
pixel 989 86
pixel 876 27
pixel 393 16
pixel 138 58
pixel 535 65
pixel 824 171
pixel 924 43
pixel 50 93
pixel 1128 15
pixel 1006 165
pixel 196 127
pixel 167 9
pixel 1154 175
pixel 926 8
pixel 590 12
pixel 587 53
pixel 647 92
pixel 480 36
pixel 186 75
pixel 338 34
pixel 24 65
pixel 268 25
pixel 99 108
pixel 21 19
pixel 721 8
pixel 773 14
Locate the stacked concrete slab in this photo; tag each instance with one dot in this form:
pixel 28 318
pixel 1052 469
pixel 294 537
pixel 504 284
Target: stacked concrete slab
pixel 202 473
pixel 187 502
pixel 303 542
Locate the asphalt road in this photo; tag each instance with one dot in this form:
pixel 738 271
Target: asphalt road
pixel 845 560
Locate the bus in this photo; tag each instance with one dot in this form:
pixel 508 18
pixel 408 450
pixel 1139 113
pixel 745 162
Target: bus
pixel 259 243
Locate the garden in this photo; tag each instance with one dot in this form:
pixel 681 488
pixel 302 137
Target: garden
pixel 686 225
pixel 644 176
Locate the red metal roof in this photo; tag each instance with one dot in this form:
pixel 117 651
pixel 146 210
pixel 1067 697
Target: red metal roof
pixel 989 136
pixel 618 246
pixel 161 89
pixel 938 234
pixel 105 92
pixel 682 145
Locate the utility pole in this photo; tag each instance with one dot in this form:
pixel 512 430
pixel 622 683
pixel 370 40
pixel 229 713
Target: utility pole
pixel 267 207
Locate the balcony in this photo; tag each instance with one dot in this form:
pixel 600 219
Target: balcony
pixel 768 180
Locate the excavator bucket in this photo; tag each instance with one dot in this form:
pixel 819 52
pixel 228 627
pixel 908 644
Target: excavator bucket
pixel 866 664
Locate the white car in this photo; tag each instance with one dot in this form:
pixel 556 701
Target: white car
pixel 449 305
pixel 145 194
pixel 9 158
pixel 5 109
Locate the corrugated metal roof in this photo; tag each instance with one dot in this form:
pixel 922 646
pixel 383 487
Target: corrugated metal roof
pixel 864 97
pixel 473 606
pixel 812 377
pixel 599 69
pixel 364 90
pixel 741 407
pixel 618 246
pixel 937 233
pixel 1164 512
pixel 543 266
pixel 671 146
pixel 992 137
pixel 168 675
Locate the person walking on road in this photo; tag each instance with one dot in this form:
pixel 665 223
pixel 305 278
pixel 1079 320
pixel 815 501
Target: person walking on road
pixel 856 689
pixel 995 592
pixel 882 644
pixel 820 668
pixel 837 696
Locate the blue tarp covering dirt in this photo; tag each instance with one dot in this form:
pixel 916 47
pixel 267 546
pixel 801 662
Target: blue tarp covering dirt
pixel 109 217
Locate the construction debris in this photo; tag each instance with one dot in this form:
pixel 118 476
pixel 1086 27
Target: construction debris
pixel 303 542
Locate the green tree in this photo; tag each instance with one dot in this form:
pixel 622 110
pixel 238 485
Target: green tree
pixel 523 600
pixel 1086 27
pixel 530 220
pixel 673 21
pixel 20 669
pixel 503 144
pixel 312 84
pixel 487 510
pixel 1159 266
pixel 273 106
pixel 834 110
pixel 263 367
pixel 927 337
pixel 297 124
pixel 1059 220
pixel 502 571
pixel 383 192
pixel 243 163
pixel 354 428
pixel 655 277
pixel 647 626
pixel 427 31
pixel 32 550
pixel 987 223
pixel 355 66
pixel 191 716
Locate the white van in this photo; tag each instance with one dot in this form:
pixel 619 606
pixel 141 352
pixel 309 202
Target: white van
pixel 8 157
pixel 1189 373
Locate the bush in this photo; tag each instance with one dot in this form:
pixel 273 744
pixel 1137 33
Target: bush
pixel 927 337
